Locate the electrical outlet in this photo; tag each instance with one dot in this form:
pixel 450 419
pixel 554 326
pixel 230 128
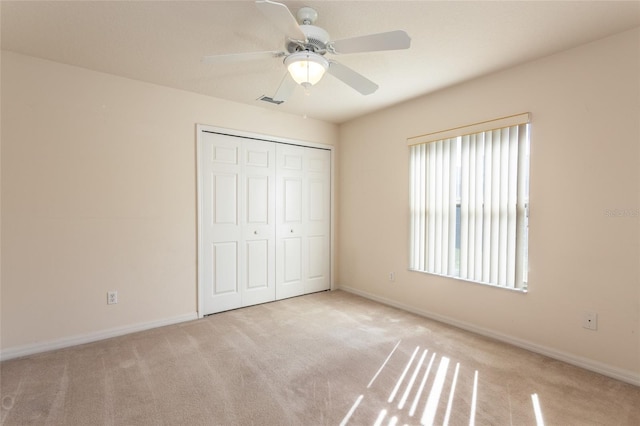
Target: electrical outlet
pixel 590 320
pixel 392 276
pixel 112 297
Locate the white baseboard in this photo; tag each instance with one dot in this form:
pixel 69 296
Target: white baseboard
pixel 66 342
pixel 588 364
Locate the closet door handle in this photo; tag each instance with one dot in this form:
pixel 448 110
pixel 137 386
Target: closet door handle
pixel 255 232
pixel 292 231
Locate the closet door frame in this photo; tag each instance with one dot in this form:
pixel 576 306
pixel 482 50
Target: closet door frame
pixel 202 128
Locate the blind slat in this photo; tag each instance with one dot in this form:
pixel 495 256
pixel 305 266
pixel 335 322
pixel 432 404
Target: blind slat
pixel 479 207
pixel 465 203
pixel 453 200
pixel 512 206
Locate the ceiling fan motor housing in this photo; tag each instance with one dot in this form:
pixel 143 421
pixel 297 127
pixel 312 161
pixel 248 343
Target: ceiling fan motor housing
pixel 317 39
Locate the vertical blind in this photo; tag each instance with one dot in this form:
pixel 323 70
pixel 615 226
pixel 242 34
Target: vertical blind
pixel 469 203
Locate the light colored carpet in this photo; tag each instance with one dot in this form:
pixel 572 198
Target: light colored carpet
pixel 322 359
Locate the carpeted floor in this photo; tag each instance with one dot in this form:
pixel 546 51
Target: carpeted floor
pixel 324 359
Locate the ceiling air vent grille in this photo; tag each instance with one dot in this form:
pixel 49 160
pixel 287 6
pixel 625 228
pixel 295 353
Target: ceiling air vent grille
pixel 270 100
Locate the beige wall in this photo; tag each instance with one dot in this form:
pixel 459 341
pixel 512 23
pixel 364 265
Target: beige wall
pixel 99 193
pixel 585 104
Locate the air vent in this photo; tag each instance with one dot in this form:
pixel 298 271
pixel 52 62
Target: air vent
pixel 270 100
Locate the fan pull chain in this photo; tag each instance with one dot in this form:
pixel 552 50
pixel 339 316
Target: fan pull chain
pixel 305 102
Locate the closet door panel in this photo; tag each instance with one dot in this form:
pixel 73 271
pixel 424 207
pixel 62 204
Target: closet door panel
pixel 292 249
pixel 292 201
pixel 257 265
pixel 258 200
pixel 317 219
pixel 289 226
pixel 225 198
pixel 317 257
pixel 225 257
pixel 259 222
pixel 221 229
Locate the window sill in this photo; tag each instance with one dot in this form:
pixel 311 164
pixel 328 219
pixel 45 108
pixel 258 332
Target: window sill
pixel 517 290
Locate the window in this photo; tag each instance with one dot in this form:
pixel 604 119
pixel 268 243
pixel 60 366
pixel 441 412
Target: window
pixel 470 202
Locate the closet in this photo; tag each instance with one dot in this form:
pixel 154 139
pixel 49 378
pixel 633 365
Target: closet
pixel 264 217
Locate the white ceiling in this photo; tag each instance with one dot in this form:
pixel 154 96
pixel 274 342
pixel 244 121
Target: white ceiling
pixel 162 42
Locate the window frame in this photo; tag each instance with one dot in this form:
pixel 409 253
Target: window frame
pixel 522 202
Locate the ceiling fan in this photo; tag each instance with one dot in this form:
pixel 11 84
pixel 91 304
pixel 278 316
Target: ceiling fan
pixel 306 46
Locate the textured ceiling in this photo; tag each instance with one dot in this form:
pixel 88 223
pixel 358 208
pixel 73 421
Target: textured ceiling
pixel 162 42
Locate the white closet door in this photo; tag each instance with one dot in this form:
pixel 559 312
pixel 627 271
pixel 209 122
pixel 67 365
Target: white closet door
pixel 238 222
pixel 289 217
pixel 317 218
pixel 303 211
pixel 221 232
pixel 259 284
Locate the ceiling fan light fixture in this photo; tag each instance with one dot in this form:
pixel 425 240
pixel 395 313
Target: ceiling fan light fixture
pixel 306 68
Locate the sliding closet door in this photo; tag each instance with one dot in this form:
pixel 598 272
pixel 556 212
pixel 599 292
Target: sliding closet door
pixel 237 208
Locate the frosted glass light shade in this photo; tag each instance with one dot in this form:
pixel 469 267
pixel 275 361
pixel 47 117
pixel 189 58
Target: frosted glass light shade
pixel 306 68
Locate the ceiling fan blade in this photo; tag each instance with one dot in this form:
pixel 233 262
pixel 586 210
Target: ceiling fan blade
pixel 241 57
pixel 281 16
pixel 287 86
pixel 392 40
pixel 348 76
